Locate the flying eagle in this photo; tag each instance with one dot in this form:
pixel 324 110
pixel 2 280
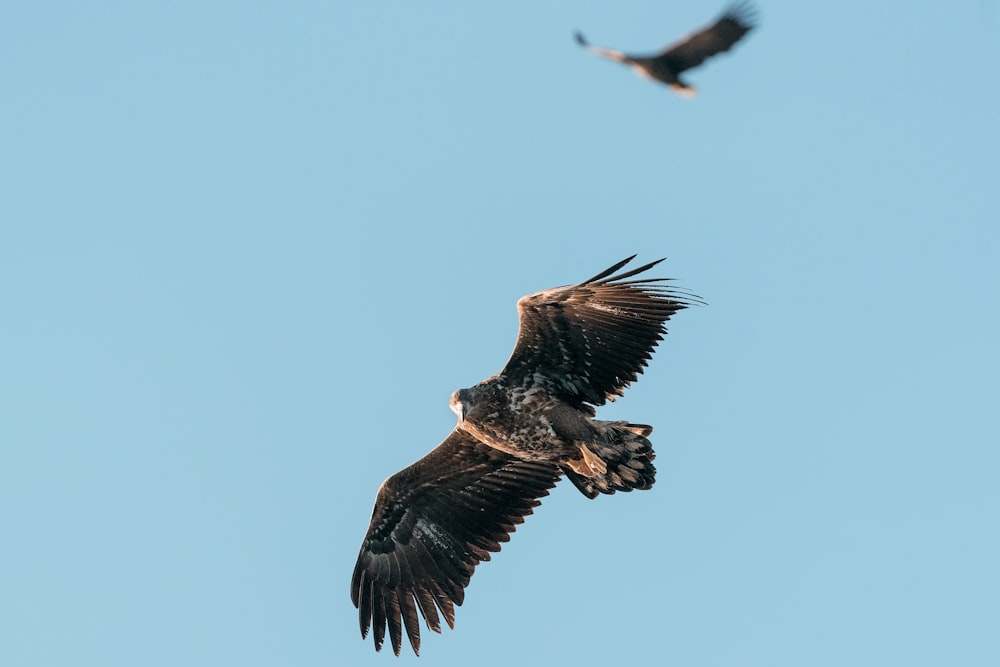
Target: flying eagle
pixel 577 347
pixel 691 51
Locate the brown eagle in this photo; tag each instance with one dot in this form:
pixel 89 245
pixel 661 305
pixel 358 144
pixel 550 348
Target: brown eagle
pixel 691 51
pixel 577 347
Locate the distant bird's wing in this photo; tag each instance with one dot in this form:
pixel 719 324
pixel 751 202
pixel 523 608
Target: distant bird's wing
pixel 433 523
pixel 617 56
pixel 586 343
pixel 694 49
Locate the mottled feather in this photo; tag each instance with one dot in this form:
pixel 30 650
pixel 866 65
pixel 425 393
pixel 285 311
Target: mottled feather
pixel 586 343
pixel 433 523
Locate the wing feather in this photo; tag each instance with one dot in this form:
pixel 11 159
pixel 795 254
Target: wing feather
pixel 586 343
pixel 425 601
pixel 433 523
pixel 378 620
pixel 410 619
pixel 363 596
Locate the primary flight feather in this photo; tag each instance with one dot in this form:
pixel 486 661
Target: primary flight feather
pixel 518 432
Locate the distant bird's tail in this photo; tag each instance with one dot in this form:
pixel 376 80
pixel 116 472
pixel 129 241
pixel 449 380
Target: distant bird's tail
pixel 625 461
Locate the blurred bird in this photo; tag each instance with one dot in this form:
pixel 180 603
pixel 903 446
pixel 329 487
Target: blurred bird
pixel 691 51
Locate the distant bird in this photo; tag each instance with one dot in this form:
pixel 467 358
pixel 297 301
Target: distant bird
pixel 517 433
pixel 691 51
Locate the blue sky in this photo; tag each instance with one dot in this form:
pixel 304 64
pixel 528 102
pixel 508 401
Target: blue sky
pixel 248 250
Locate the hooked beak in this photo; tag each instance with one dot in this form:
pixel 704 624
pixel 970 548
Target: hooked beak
pixel 458 407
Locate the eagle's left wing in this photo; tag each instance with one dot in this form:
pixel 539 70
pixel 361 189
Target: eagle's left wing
pixel 433 523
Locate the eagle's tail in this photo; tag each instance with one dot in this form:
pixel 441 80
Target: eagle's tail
pixel 627 458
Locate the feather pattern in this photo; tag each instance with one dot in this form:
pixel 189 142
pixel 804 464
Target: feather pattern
pixel 433 522
pixel 586 343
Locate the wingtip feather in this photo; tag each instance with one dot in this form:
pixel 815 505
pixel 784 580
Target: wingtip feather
pixel 607 272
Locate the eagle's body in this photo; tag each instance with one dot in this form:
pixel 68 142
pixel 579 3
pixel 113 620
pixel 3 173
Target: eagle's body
pixel 529 423
pixel 516 420
pixel 517 433
pixel 667 65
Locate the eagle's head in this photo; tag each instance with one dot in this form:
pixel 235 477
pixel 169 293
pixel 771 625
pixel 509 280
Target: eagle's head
pixel 459 403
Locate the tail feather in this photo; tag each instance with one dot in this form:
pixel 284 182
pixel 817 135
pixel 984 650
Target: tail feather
pixel 628 456
pixel 641 429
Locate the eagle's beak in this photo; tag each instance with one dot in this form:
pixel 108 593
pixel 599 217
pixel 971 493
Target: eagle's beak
pixel 458 407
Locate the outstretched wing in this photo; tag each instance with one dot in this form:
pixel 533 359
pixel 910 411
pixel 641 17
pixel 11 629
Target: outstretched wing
pixel 694 49
pixel 586 343
pixel 617 56
pixel 433 523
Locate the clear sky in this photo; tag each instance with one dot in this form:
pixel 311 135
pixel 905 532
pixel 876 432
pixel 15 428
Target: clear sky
pixel 247 250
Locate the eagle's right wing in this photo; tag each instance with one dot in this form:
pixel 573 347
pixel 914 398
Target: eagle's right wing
pixel 433 523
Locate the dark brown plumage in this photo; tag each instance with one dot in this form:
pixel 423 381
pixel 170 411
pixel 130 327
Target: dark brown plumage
pixel 517 433
pixel 667 65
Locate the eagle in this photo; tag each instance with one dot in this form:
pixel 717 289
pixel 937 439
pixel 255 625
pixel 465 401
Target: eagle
pixel 518 432
pixel 667 65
